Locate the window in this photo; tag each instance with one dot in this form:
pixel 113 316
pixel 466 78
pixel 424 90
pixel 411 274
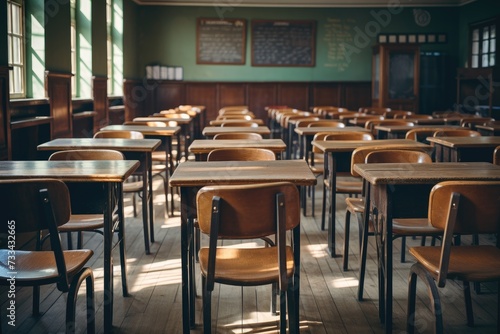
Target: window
pixel 109 44
pixel 483 44
pixel 114 20
pixel 73 48
pixel 15 35
pixel 81 48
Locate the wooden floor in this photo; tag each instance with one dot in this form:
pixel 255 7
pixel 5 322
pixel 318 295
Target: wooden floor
pixel 328 302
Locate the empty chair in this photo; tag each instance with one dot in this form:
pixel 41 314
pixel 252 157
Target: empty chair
pixel 420 134
pixel 496 156
pixel 306 121
pixel 239 135
pixel 32 206
pixel 416 116
pixel 249 124
pixel 457 133
pixel 248 212
pixel 243 117
pixel 398 114
pixel 370 124
pixel 240 154
pixel 124 134
pixel 471 122
pixel 457 208
pixel 351 187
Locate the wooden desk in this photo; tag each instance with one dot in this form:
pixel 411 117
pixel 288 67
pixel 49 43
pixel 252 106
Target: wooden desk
pixel 399 131
pixel 338 159
pixel 201 148
pixel 218 122
pixel 402 190
pixel 462 149
pixel 306 135
pixel 190 176
pixel 104 179
pixel 186 124
pixel 211 131
pixel 133 149
pixel 423 121
pixel 489 130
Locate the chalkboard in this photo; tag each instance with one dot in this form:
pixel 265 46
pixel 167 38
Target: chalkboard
pixel 220 41
pixel 283 43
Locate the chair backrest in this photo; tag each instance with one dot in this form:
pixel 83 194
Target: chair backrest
pixel 248 211
pixel 397 114
pixel 249 124
pixel 370 124
pixel 496 156
pixel 385 154
pixel 239 135
pixel 457 133
pixel 349 135
pixel 240 154
pixel 125 134
pixel 302 122
pixel 420 134
pixel 374 110
pixel 176 115
pixel 332 124
pixel 243 117
pixel 463 207
pixel 87 155
pixel 470 122
pixel 417 116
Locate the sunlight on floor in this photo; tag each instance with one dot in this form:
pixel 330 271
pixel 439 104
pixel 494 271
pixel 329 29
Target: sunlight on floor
pixel 345 282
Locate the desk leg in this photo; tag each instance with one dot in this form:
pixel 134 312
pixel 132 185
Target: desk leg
pixel 388 264
pixel 150 197
pixel 108 261
pixel 168 172
pixel 145 180
pixel 185 235
pixel 121 240
pixel 332 180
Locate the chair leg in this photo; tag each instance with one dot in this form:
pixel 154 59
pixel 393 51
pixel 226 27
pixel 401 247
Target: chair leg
pixel 346 239
pixel 79 240
pixel 323 208
pixel 403 249
pixel 292 304
pixel 418 270
pixel 70 240
pixel 274 293
pixel 36 300
pixel 468 304
pixel 282 312
pixel 87 275
pixel 207 307
pixel 362 261
pixel 313 199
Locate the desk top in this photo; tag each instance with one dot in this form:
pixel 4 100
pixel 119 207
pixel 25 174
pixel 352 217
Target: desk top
pixel 211 131
pixel 180 121
pixel 495 127
pixel 351 145
pixel 126 145
pixel 218 122
pixel 426 121
pixel 199 173
pixel 200 146
pixel 406 128
pixel 310 131
pixel 415 173
pixel 77 171
pixel 146 130
pixel 458 142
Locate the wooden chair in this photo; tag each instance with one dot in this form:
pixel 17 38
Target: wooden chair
pixel 496 156
pixel 457 133
pixel 471 122
pixel 131 186
pixel 240 154
pixel 370 124
pixel 82 223
pixel 416 116
pixel 351 187
pixel 248 212
pixel 420 134
pixel 457 208
pixel 249 124
pixel 374 110
pixel 30 206
pixel 243 117
pixel 238 135
pixel 401 227
pixel 398 114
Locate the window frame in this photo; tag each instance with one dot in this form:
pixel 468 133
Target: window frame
pixel 22 50
pixel 480 26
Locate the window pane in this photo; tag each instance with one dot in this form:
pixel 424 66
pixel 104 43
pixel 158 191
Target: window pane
pixel 484 62
pixel 16 24
pixel 18 79
pixel 9 24
pixel 493 32
pixel 486 33
pixel 492 59
pixel 475 35
pixel 11 81
pixel 16 51
pixel 485 46
pixel 10 48
pixel 475 48
pixel 475 62
pixel 493 45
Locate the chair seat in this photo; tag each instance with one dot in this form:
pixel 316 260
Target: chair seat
pixel 83 223
pixel 468 263
pixel 238 265
pixel 158 156
pixel 355 205
pixel 414 226
pixel 349 187
pixel 41 266
pixel 132 186
pixel 317 170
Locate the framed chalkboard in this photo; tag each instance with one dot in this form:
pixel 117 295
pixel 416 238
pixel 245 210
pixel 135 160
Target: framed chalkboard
pixel 220 41
pixel 283 43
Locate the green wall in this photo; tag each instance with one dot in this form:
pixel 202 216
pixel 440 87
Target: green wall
pixel 167 36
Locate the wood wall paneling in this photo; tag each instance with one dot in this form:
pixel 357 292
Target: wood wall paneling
pixel 58 90
pixel 204 94
pixel 356 94
pixel 5 140
pixel 295 95
pixel 327 94
pixel 261 95
pixel 168 95
pixel 134 99
pixel 100 96
pixel 232 94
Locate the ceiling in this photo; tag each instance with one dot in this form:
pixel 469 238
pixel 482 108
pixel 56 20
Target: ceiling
pixel 302 3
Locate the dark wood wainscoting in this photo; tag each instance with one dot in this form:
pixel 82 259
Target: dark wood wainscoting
pixel 5 144
pixel 146 97
pixel 100 91
pixel 58 90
